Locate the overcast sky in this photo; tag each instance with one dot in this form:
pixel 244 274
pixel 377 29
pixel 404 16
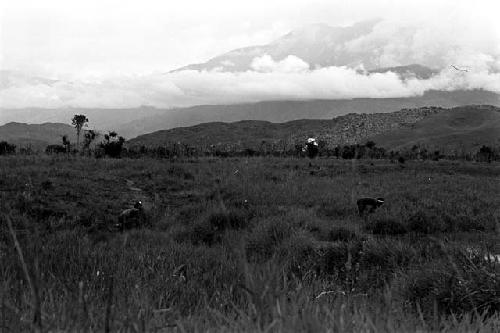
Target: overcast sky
pixel 99 37
pixel 119 40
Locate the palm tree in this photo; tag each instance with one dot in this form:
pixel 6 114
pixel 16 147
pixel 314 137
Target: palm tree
pixel 79 120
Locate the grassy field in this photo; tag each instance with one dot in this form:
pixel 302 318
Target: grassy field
pixel 250 244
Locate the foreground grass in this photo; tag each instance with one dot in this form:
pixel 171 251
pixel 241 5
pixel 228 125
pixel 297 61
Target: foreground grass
pixel 257 244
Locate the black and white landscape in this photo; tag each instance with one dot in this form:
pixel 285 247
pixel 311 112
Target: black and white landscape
pixel 277 166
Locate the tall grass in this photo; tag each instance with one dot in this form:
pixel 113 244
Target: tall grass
pixel 272 247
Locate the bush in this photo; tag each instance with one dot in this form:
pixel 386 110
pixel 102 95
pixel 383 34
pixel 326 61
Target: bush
pixel 387 254
pixel 297 252
pixel 113 145
pixel 266 237
pixel 210 230
pixel 341 234
pixel 388 227
pixel 335 258
pixel 425 223
pixel 233 219
pixel 335 211
pixel 462 223
pixel 331 258
pixel 456 288
pixel 203 232
pixel 7 148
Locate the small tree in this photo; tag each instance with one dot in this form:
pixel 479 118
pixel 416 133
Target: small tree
pixel 79 121
pixel 112 144
pixel 88 137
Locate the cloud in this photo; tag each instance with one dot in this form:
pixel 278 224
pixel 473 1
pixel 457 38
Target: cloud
pixel 290 78
pixel 291 64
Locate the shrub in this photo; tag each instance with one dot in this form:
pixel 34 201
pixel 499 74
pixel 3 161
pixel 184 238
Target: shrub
pixel 203 232
pixel 454 288
pixel 331 258
pixel 425 223
pixel 297 252
pixel 388 227
pixel 335 211
pixel 112 145
pixel 7 148
pixel 336 258
pixel 210 230
pixel 266 236
pixel 233 219
pixel 341 234
pixel 462 223
pixel 387 254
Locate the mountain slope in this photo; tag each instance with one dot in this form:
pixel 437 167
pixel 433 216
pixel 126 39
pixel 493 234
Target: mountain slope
pixel 282 111
pixel 38 136
pixel 346 129
pixel 465 128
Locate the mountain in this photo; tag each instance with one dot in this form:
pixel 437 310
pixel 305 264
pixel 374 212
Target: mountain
pixel 466 127
pixel 99 118
pixel 347 129
pixel 320 45
pixel 282 111
pixel 146 119
pixel 38 136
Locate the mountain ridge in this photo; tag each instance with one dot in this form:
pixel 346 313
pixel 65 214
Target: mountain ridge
pixel 282 111
pixel 393 130
pixel 36 136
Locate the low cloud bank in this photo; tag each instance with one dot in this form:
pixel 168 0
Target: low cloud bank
pixel 290 78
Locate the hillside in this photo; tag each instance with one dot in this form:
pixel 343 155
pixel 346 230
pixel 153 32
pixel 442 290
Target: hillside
pixel 132 122
pixel 283 111
pixel 466 127
pixel 346 129
pixel 38 136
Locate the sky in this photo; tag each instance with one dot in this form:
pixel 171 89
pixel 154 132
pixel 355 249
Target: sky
pixel 111 53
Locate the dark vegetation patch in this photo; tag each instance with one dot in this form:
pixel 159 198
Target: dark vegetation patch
pixel 453 285
pixel 389 227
